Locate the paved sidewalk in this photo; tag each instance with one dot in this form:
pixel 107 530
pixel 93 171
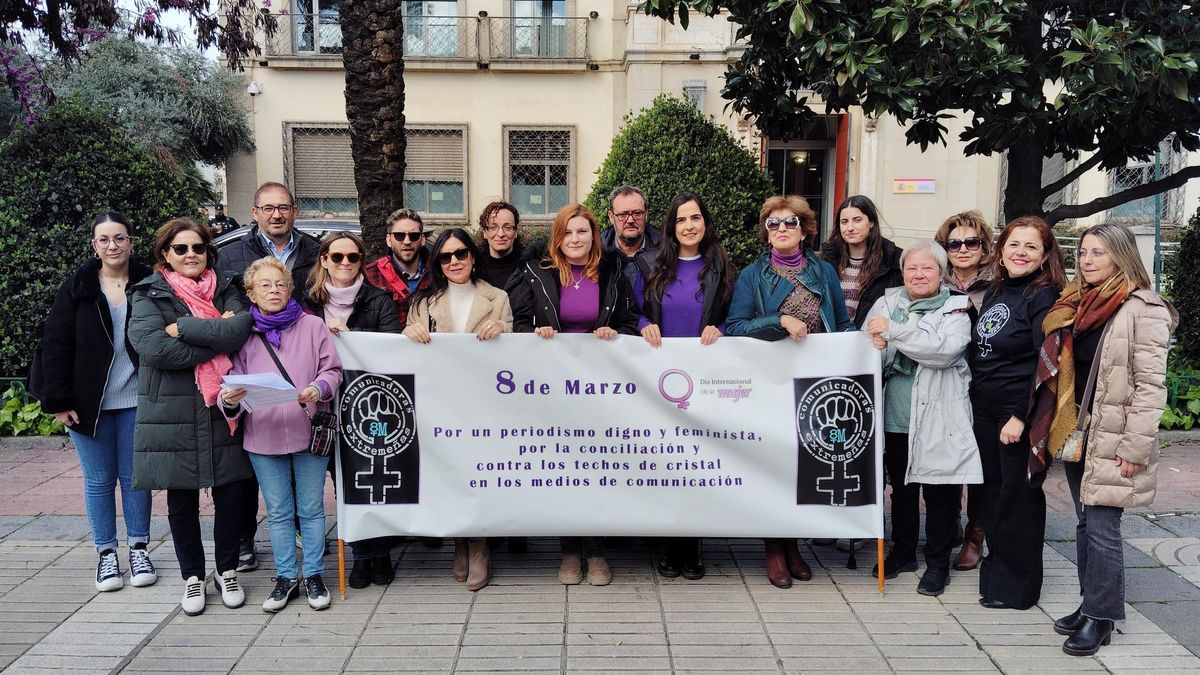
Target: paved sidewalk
pixel 731 621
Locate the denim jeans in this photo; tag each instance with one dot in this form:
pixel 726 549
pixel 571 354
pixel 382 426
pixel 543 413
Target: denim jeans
pixel 1101 563
pixel 275 478
pixel 106 459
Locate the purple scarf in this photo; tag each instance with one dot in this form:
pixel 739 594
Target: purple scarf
pixel 273 325
pixel 793 261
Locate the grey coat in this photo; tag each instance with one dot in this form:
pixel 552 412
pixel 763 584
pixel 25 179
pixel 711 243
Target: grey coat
pixel 178 442
pixel 941 443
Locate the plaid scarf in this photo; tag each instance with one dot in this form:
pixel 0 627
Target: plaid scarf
pixel 1053 413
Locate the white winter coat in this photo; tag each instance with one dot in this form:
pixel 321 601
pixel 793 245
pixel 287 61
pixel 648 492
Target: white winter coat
pixel 941 443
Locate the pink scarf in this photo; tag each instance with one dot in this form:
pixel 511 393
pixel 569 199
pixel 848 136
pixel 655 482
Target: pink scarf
pixel 198 296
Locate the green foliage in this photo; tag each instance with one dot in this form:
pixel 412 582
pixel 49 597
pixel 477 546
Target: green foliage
pixel 1185 292
pixel 20 415
pixel 173 101
pixel 1183 398
pixel 671 148
pixel 58 174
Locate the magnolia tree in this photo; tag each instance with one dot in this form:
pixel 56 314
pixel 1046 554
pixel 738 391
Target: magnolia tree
pixel 1107 80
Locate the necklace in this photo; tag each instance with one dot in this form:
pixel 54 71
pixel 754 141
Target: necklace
pixel 577 281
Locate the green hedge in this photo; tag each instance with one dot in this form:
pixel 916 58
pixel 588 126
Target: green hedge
pixel 671 148
pixel 1185 293
pixel 58 174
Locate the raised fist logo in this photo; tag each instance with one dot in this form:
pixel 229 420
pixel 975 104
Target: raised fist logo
pixel 378 413
pixel 377 416
pixel 835 419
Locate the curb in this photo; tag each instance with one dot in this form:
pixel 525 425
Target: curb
pixel 34 442
pixel 1177 436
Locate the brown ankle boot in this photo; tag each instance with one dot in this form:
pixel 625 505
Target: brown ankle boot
pixel 777 570
pixel 479 565
pixel 972 549
pixel 570 572
pixel 460 559
pixel 797 568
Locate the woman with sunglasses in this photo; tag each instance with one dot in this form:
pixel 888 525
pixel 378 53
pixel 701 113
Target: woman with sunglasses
pixel 787 293
pixel 967 239
pixel 866 262
pixel 575 288
pixel 297 347
pixel 187 319
pixel 683 291
pixel 89 383
pixel 339 293
pixel 458 300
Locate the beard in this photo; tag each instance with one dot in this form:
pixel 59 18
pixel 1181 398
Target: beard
pixel 631 239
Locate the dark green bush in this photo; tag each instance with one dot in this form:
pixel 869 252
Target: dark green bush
pixel 671 148
pixel 1184 293
pixel 58 174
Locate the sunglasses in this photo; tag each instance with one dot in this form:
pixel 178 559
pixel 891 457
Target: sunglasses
pixel 789 223
pixel 182 249
pixel 972 244
pixel 460 255
pixel 411 236
pixel 337 258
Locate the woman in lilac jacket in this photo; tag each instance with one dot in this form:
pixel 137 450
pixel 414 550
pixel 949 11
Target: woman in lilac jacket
pixel 277 437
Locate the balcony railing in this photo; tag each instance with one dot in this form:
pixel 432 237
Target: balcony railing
pixel 468 38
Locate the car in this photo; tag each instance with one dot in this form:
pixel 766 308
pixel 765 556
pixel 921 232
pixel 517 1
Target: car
pixel 317 227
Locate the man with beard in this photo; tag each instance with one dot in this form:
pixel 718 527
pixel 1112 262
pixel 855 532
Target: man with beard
pixel 629 235
pixel 403 271
pixel 274 215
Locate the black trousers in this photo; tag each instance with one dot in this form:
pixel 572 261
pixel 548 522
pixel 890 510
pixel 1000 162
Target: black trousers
pixel 941 508
pixel 1014 518
pixel 183 514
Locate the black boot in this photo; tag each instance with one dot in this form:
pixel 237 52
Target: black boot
pixel 360 574
pixel 382 572
pixel 1069 623
pixel 692 563
pixel 1090 637
pixel 933 582
pixel 669 564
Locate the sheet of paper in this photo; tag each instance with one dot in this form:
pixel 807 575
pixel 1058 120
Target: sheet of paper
pixel 262 389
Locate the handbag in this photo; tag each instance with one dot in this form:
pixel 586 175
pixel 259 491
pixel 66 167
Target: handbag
pixel 324 425
pixel 1072 449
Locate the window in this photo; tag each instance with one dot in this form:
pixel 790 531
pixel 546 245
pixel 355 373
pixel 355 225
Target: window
pixel 319 169
pixel 539 166
pixel 694 92
pixel 435 171
pixel 1168 207
pixel 317 26
pixel 431 28
pixel 539 29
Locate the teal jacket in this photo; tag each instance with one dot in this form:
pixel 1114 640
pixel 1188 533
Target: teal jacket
pixel 759 292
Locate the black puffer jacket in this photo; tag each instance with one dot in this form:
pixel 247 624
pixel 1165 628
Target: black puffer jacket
pixel 374 311
pixel 535 298
pixel 236 257
pixel 888 275
pixel 179 442
pixel 77 348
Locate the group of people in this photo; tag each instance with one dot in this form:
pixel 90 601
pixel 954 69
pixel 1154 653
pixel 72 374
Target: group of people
pixel 989 356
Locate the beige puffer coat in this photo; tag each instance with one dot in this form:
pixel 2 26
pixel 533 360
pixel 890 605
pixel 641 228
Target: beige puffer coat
pixel 1129 400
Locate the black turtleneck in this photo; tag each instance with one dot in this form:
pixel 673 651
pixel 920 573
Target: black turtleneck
pixel 1005 343
pixel 497 271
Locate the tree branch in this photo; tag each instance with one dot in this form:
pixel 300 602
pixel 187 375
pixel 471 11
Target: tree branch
pixel 1078 171
pixel 1150 189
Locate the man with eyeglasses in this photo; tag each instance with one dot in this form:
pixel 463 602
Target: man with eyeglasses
pixel 405 270
pixel 273 234
pixel 629 234
pixel 505 252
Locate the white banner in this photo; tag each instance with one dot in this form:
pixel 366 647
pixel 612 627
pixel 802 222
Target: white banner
pixel 576 436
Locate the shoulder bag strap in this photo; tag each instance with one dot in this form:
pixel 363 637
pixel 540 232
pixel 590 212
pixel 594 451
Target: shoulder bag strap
pixel 1091 382
pixel 279 364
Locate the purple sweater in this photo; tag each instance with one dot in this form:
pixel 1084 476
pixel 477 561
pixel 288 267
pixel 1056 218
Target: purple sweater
pixel 682 301
pixel 307 351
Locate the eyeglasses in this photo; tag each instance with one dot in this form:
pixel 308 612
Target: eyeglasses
pixel 337 258
pixel 626 215
pixel 270 209
pixel 789 223
pixel 460 255
pixel 506 229
pixel 411 236
pixel 268 286
pixel 972 244
pixel 104 242
pixel 1094 254
pixel 182 249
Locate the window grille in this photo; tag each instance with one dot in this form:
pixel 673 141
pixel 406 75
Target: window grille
pixel 539 167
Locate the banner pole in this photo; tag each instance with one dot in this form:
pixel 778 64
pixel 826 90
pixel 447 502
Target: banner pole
pixel 882 572
pixel 342 567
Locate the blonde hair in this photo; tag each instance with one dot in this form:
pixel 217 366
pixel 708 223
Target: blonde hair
pixel 318 275
pixel 975 221
pixel 261 264
pixel 1119 242
pixel 591 269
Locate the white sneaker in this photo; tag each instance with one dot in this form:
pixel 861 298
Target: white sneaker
pixel 141 570
pixel 232 595
pixel 318 595
pixel 285 590
pixel 108 572
pixel 193 597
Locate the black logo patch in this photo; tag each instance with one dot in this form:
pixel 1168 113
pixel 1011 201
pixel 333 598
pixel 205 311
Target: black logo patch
pixel 835 427
pixel 380 453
